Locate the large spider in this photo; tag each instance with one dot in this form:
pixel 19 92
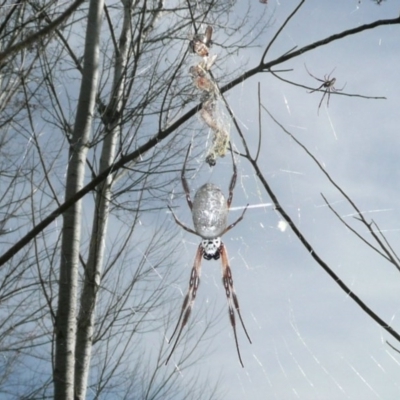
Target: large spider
pixel 327 86
pixel 210 212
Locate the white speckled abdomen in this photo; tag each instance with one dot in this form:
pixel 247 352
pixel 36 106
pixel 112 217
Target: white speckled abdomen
pixel 210 211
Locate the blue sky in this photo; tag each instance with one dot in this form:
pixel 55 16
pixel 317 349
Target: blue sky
pixel 310 341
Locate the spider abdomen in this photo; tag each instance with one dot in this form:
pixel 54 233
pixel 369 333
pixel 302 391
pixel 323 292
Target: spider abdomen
pixel 210 211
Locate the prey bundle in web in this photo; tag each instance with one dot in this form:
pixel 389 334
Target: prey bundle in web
pixel 211 111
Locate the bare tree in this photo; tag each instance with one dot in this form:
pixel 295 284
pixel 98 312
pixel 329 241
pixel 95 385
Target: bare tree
pixel 104 160
pixel 129 80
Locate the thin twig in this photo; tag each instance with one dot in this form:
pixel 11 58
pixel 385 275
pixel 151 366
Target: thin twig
pixel 310 248
pixel 262 67
pixel 43 32
pixel 387 243
pixel 323 90
pixel 280 30
pixel 394 348
pixel 342 192
pixel 348 226
pixel 259 123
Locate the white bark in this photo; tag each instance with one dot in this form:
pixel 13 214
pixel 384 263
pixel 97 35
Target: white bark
pixel 68 283
pixel 94 265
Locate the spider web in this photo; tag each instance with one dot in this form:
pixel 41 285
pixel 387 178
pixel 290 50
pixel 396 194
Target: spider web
pixel 310 340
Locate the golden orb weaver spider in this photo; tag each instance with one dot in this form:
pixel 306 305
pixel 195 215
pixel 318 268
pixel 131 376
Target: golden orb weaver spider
pixel 210 211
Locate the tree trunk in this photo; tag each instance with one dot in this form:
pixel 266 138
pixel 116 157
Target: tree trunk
pixel 68 283
pixel 94 267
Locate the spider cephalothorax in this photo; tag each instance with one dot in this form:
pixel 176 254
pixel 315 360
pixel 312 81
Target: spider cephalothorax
pixel 211 248
pixel 209 211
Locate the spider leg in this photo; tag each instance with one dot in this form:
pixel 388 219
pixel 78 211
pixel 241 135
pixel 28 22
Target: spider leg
pixel 228 228
pixel 339 90
pixel 189 298
pixel 318 88
pixel 309 73
pixel 329 96
pixel 184 181
pixel 181 224
pixel 330 73
pixel 233 302
pixel 331 89
pixel 233 180
pixel 320 103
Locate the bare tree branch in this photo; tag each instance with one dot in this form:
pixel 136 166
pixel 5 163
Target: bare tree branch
pixel 40 34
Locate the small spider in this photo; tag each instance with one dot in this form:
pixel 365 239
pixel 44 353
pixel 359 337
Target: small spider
pixel 200 43
pixel 327 86
pixel 210 212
